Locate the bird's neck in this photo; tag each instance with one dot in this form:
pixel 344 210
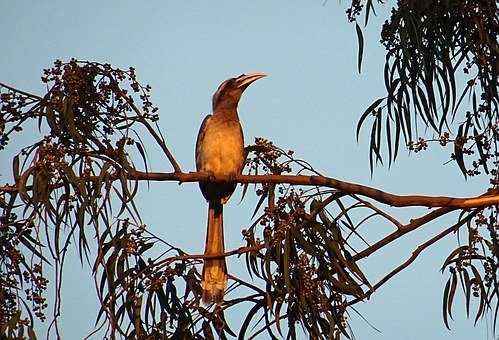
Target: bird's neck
pixel 228 113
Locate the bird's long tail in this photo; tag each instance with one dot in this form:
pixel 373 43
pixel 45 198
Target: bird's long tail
pixel 214 270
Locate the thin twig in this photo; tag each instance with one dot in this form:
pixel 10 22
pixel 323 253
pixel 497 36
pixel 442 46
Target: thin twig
pixel 380 212
pixel 413 225
pixel 151 130
pixel 413 257
pixel 27 94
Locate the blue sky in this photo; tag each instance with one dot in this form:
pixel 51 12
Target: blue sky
pixel 310 102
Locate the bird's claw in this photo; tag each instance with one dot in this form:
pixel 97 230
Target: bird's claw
pixel 211 176
pixel 232 178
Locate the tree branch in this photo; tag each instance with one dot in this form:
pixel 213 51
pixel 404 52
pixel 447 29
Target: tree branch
pixel 34 96
pixel 412 225
pixel 487 199
pixel 491 197
pixel 413 257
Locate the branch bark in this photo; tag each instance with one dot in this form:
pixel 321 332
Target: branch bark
pixel 491 197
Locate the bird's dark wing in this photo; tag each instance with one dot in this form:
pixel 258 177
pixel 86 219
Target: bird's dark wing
pixel 201 133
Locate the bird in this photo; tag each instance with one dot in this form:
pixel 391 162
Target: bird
pixel 220 151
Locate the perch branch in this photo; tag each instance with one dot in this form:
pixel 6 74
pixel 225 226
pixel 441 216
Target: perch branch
pixel 491 197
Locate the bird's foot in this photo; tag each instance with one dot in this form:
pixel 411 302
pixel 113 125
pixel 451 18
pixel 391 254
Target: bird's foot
pixel 211 176
pixel 232 178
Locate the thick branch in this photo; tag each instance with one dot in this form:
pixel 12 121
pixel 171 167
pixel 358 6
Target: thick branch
pixel 490 198
pixel 487 199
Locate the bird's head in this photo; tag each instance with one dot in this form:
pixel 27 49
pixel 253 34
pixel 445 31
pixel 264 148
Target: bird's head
pixel 229 92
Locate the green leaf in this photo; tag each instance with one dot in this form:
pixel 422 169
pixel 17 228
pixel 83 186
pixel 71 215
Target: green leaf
pixel 445 303
pixel 354 268
pixel 21 184
pixel 458 151
pixel 426 108
pixel 51 120
pixel 449 71
pixel 483 297
pixel 360 40
pixel 32 248
pixel 366 113
pixel 397 136
pixel 369 7
pixel 249 317
pixel 286 264
pixel 267 270
pixel 467 284
pixel 479 146
pixel 15 167
pixel 346 288
pixel 451 294
pixel 69 119
pixel 466 89
pixel 142 154
pixel 389 140
pixel 74 180
pixel 407 117
pixel 277 314
pixel 379 130
pixel 453 254
pixel 260 202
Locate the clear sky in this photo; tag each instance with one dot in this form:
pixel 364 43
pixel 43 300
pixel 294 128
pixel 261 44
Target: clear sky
pixel 310 103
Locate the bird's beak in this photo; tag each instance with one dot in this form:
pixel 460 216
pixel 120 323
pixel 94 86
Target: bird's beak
pixel 244 80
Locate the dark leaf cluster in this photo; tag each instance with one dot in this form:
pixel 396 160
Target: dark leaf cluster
pixel 440 55
pixel 473 266
pixel 68 180
pixel 302 256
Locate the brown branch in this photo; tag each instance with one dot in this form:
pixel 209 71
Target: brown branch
pixel 412 225
pixel 238 251
pixel 413 257
pixel 487 199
